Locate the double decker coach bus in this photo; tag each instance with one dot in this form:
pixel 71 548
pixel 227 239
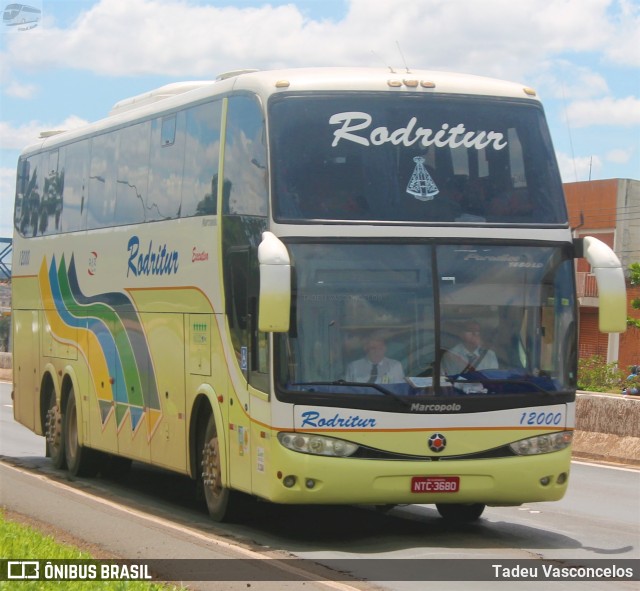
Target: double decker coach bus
pixel 207 277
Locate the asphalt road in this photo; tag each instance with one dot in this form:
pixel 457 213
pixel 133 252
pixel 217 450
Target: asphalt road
pixel 152 515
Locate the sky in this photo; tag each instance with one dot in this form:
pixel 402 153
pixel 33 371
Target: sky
pixel 581 56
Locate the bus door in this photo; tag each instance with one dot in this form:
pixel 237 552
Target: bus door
pixel 239 317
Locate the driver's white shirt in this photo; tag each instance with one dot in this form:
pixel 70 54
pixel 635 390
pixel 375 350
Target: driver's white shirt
pixel 389 371
pixel 459 357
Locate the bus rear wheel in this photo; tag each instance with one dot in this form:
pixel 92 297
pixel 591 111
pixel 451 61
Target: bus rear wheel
pixel 460 513
pixel 81 461
pixel 53 432
pixel 222 503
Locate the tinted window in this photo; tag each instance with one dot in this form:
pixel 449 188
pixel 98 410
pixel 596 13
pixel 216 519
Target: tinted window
pixel 76 167
pixel 51 202
pixel 245 165
pixel 200 183
pixel 102 181
pixel 133 202
pixel 166 167
pixel 40 183
pixel 168 133
pixel 400 157
pixel 29 195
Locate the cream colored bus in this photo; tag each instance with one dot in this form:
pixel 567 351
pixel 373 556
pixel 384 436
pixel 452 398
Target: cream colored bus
pixel 308 286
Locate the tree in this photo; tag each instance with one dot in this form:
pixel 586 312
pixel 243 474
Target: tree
pixel 5 328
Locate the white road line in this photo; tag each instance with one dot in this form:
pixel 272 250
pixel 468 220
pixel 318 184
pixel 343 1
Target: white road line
pixel 609 466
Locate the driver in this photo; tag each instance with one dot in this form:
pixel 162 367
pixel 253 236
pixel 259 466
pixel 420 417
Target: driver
pixel 469 354
pixel 375 367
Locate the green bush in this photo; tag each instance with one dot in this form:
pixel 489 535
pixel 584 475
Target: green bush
pixel 595 375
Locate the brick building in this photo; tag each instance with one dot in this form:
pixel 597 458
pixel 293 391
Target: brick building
pixel 608 210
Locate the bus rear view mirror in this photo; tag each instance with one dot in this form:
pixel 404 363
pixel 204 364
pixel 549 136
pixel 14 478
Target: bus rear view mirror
pixel 611 285
pixel 275 285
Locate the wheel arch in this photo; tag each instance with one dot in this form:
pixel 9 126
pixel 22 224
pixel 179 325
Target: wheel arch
pixel 69 383
pixel 48 384
pixel 204 405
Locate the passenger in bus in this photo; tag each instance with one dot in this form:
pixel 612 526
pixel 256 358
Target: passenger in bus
pixel 375 367
pixel 469 354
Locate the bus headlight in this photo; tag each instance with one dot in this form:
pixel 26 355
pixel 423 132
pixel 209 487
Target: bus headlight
pixel 542 444
pixel 318 445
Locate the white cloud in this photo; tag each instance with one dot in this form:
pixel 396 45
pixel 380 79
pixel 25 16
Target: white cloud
pixel 625 48
pixel 495 37
pixel 17 138
pixel 605 111
pixel 619 156
pixel 582 168
pixel 562 79
pixel 17 90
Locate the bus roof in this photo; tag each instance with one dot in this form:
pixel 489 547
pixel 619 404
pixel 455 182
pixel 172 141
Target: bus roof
pixel 268 82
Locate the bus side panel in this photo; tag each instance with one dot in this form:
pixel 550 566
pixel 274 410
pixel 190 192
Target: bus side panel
pixel 130 395
pixel 263 439
pixel 166 427
pixel 26 364
pixel 240 441
pixel 178 345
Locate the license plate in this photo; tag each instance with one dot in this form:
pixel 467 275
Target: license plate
pixel 435 484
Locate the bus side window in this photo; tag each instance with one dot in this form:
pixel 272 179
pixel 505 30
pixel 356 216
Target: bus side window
pixel 51 206
pixel 166 167
pixel 236 294
pixel 133 203
pixel 245 165
pixel 30 199
pixel 20 207
pixel 102 181
pixel 76 169
pixel 200 182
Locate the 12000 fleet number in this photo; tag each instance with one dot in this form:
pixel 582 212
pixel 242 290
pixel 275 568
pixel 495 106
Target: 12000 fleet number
pixel 541 418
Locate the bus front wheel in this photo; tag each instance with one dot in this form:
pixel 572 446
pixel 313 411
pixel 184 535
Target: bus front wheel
pixel 460 513
pixel 221 501
pixel 81 461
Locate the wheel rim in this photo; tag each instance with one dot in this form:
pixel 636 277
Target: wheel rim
pixel 71 434
pixel 211 473
pixel 54 427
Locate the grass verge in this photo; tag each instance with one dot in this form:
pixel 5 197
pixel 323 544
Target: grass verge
pixel 18 541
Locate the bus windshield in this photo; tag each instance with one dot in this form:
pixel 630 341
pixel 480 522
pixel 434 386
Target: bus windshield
pixel 407 158
pixel 423 320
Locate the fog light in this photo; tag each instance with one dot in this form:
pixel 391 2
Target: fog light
pixel 562 478
pixel 310 483
pixel 545 480
pixel 289 481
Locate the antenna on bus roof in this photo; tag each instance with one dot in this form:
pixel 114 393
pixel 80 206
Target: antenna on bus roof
pixel 406 67
pixel 385 65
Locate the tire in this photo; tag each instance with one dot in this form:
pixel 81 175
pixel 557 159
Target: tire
pixel 460 513
pixel 222 503
pixel 81 461
pixel 53 433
